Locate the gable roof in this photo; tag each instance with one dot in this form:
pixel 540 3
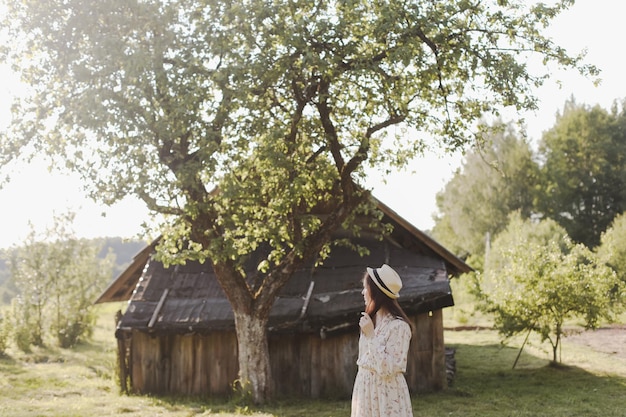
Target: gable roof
pixel 188 298
pixel 325 298
pixel 454 264
pixel 121 288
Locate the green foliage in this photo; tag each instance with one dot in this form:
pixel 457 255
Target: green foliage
pixel 4 333
pixel 277 104
pixel 536 279
pixel 612 249
pixel 58 277
pixel 29 275
pixel 579 181
pixel 23 331
pixel 497 178
pixel 584 174
pixel 241 395
pixel 122 251
pixel 165 100
pixel 5 286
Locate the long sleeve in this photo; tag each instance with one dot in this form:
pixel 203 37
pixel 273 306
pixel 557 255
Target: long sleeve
pixel 385 352
pixel 380 389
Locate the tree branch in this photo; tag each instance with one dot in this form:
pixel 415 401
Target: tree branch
pixel 329 128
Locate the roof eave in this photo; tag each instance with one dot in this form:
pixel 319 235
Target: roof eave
pixel 457 266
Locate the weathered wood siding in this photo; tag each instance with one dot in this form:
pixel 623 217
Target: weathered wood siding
pixel 187 364
pixel 309 366
pixel 426 365
pixel 303 365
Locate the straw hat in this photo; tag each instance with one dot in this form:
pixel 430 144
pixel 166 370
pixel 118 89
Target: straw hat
pixel 387 280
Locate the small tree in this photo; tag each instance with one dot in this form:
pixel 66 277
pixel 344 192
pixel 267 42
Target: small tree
pixel 536 279
pixel 28 266
pixel 58 278
pixel 4 335
pixel 77 285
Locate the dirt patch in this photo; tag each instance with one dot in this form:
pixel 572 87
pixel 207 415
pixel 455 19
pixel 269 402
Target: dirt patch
pixel 609 339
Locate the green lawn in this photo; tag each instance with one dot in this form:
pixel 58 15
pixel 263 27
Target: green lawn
pixel 81 382
pixel 586 384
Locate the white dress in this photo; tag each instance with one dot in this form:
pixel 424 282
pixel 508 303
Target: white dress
pixel 380 389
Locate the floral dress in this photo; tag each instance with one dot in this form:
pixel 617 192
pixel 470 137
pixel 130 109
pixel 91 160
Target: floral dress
pixel 380 389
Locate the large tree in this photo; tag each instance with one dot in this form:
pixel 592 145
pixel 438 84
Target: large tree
pixel 498 176
pixel 276 104
pixel 584 170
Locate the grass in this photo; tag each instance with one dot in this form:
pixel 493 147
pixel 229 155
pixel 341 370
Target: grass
pixel 82 382
pixel 488 386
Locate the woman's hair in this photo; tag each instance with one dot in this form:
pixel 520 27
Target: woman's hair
pixel 380 300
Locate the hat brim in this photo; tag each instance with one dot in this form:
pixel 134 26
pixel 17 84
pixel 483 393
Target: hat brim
pixel 376 280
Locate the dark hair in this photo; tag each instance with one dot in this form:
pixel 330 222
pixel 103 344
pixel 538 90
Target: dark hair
pixel 380 300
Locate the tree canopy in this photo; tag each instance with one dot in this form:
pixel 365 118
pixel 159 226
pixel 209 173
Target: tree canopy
pixel 584 170
pixel 498 177
pixel 536 279
pixel 278 104
pixel 576 177
pixel 612 248
pixel 58 277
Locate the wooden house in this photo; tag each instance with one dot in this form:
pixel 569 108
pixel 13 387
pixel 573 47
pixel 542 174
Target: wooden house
pixel 177 333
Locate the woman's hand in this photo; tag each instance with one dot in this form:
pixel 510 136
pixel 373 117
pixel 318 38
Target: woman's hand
pixel 366 325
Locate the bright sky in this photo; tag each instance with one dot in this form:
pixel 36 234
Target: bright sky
pixel 34 194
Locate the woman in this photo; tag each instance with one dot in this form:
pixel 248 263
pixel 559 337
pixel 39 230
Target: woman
pixel 380 389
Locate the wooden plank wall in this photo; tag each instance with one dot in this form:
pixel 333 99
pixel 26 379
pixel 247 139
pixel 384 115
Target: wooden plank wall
pixel 184 364
pixel 312 367
pixel 302 365
pixel 426 365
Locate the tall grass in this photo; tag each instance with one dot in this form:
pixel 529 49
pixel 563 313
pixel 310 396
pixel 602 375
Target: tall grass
pixel 81 382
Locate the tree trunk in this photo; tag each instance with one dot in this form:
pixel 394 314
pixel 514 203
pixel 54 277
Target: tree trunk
pixel 559 331
pixel 252 303
pixel 255 377
pixel 555 356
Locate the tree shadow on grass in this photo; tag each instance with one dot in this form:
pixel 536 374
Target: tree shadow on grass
pixel 536 387
pixel 8 365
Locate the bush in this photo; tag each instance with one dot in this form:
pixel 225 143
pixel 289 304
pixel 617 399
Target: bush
pixel 75 330
pixel 20 327
pixel 4 335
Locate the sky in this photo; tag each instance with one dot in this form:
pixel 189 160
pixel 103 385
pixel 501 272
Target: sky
pixel 34 195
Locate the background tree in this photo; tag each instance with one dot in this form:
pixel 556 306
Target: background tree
pixel 612 248
pixel 536 279
pixel 4 333
pixel 76 275
pixel 28 272
pixel 58 277
pixel 584 170
pixel 123 249
pixel 279 104
pixel 6 291
pixel 496 178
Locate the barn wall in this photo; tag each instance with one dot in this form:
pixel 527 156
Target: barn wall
pixel 323 368
pixel 426 365
pixel 302 365
pixel 309 366
pixel 183 364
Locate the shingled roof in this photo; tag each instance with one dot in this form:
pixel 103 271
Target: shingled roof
pixel 317 298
